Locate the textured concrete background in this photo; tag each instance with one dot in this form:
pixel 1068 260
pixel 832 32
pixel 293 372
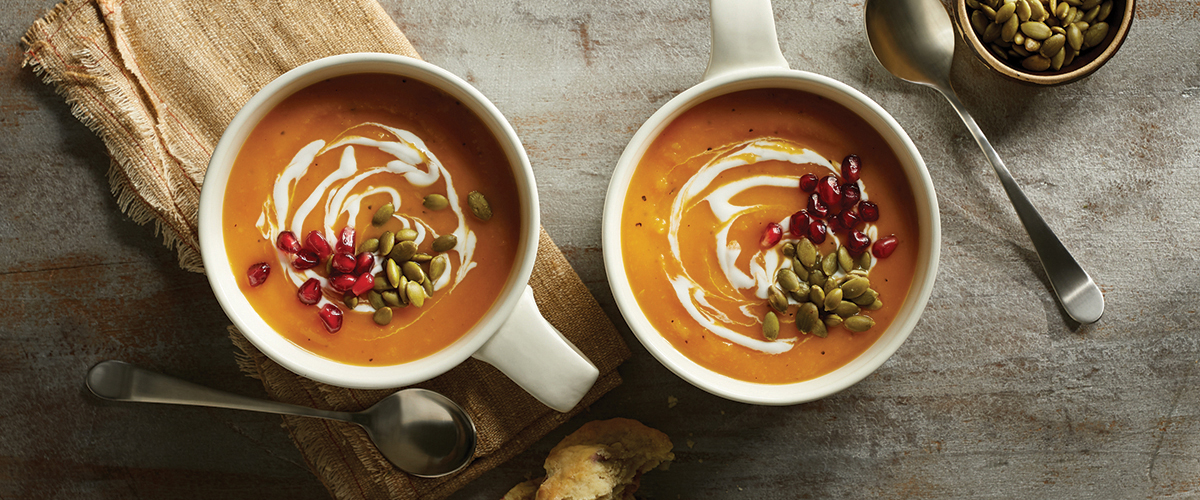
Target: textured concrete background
pixel 995 395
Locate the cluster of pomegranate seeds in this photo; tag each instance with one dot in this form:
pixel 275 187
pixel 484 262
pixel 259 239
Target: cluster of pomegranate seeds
pixel 772 234
pixel 331 317
pixel 258 273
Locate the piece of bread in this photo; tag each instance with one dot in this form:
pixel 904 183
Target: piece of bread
pixel 603 460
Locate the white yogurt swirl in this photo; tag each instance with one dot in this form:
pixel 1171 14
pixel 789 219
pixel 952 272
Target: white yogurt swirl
pixel 708 186
pixel 340 193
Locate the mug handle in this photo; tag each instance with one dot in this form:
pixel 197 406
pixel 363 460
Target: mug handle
pixel 743 37
pixel 535 355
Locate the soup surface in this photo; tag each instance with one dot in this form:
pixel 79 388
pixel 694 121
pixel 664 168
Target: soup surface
pixel 329 157
pixel 698 207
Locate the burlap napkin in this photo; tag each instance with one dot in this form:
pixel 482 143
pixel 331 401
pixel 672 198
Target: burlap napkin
pixel 158 81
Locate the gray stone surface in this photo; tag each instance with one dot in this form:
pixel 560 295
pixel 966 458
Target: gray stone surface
pixel 995 395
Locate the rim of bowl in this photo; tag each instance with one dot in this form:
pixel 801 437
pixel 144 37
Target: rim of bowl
pixel 223 279
pixel 923 279
pixel 1076 70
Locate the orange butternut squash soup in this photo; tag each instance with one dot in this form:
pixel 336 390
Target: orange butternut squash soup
pixel 377 217
pixel 769 235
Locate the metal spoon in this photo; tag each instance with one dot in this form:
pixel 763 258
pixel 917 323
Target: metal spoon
pixel 914 40
pixel 421 432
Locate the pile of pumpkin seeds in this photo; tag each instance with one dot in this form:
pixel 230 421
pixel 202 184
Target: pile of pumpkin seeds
pixel 832 289
pixel 1041 34
pixel 408 273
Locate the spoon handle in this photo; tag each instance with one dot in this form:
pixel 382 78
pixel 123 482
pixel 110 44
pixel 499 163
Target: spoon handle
pixel 120 381
pixel 1076 291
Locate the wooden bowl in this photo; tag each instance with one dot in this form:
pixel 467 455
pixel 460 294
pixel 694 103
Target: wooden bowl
pixel 1087 62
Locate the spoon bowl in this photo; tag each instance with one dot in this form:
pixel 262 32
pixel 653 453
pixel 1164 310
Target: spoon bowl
pixel 419 431
pixel 914 40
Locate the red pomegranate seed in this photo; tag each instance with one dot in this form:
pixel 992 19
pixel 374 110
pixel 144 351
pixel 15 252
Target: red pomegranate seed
pixel 344 263
pixel 850 168
pixel 885 246
pixel 857 242
pixel 310 291
pixel 835 223
pixel 364 263
pixel 315 242
pixel 364 284
pixel 258 273
pixel 817 208
pixel 808 183
pixel 817 232
pixel 850 195
pixel 829 191
pixel 305 259
pixel 869 211
pixel 344 282
pixel 287 242
pixel 345 243
pixel 331 316
pixel 848 219
pixel 771 234
pixel 798 224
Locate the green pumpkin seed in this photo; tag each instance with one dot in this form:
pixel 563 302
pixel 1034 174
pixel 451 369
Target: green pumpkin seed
pixel 329 266
pixel 391 298
pixel 777 299
pixel 381 282
pixel 1006 11
pixel 1058 30
pixel 386 241
pixel 787 279
pixel 1023 11
pixel 803 292
pixel 1020 51
pixel 416 294
pixel 1036 11
pixel 445 243
pixel 771 326
pixel 862 273
pixel 435 202
pixel 1074 37
pixel 999 51
pixel 1090 15
pixel 807 254
pixel 350 300
pixel 789 250
pixel 393 273
pixel 1056 62
pixel 974 4
pixel 832 320
pixel 383 214
pixel 406 234
pixel 479 206
pixel 816 277
pixel 1052 45
pixel 383 316
pixel 400 290
pixel 1032 45
pixel 800 271
pixel 1036 63
pixel 1105 10
pixel 438 266
pixel 376 300
pixel 859 324
pixel 992 32
pixel 988 11
pixel 819 329
pixel 413 271
pixel 855 287
pixel 1035 30
pixel 370 245
pixel 422 257
pixel 867 298
pixel 807 317
pixel 1089 4
pixel 1061 11
pixel 1010 29
pixel 428 286
pixel 979 22
pixel 845 261
pixel 875 306
pixel 816 295
pixel 846 309
pixel 403 251
pixel 830 284
pixel 1019 39
pixel 864 262
pixel 829 264
pixel 833 299
pixel 1070 56
pixel 1075 3
pixel 1095 34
